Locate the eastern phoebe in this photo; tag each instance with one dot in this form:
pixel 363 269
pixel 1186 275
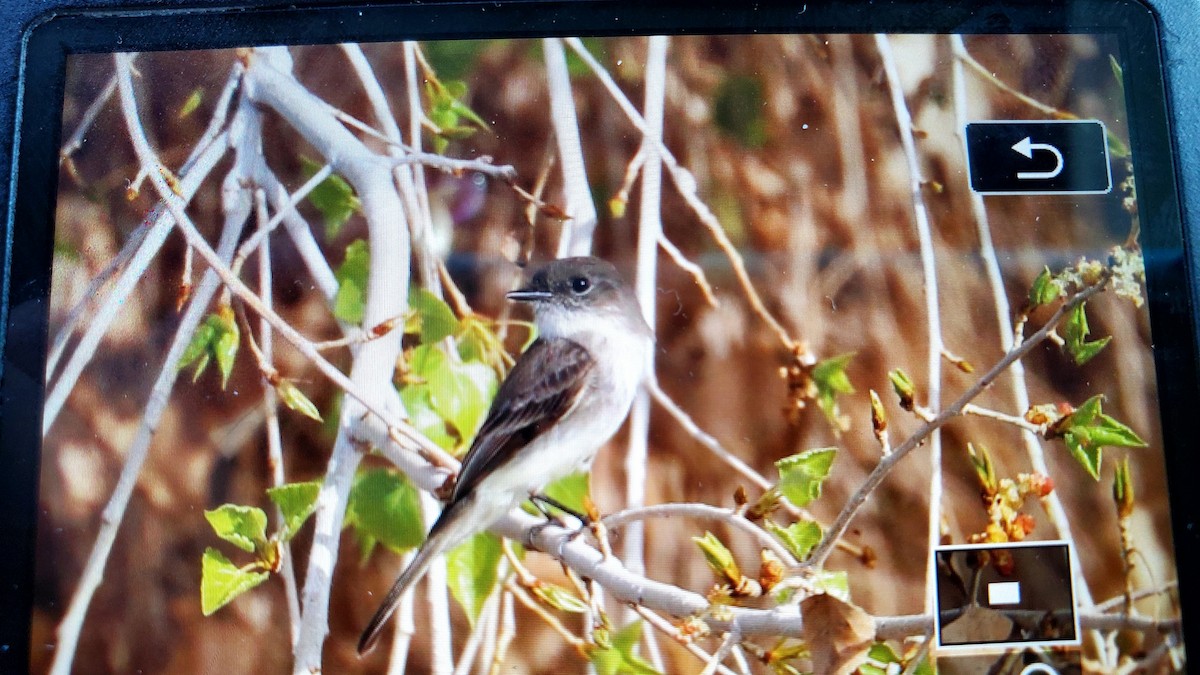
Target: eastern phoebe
pixel 564 398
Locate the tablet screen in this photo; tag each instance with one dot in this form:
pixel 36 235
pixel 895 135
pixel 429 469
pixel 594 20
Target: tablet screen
pixel 919 372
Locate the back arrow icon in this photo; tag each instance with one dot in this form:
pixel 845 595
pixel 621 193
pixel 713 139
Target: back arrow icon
pixel 1026 146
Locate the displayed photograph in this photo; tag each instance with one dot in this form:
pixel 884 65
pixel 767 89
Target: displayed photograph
pixel 705 354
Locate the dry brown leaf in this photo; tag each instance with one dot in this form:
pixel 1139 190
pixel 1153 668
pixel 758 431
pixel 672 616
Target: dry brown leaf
pixel 978 624
pixel 838 634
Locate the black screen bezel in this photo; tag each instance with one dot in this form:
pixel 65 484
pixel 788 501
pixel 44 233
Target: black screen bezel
pixel 29 241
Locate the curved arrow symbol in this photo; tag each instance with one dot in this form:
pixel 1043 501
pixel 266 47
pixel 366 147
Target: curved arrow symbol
pixel 1026 146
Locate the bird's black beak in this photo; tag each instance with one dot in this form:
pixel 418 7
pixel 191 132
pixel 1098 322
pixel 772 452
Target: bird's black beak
pixel 526 295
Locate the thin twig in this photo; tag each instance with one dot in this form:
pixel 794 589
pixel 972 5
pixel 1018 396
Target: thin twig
pixel 700 511
pixel 508 629
pixel 965 57
pixel 549 619
pixel 405 628
pixel 437 598
pixel 75 141
pixel 703 437
pixel 271 411
pixel 1021 422
pixel 301 234
pixel 915 662
pixel 252 243
pixel 1116 602
pixel 666 628
pixel 470 651
pixel 691 268
pixel 731 639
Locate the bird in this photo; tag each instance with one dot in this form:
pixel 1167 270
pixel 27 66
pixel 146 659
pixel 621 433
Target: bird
pixel 563 399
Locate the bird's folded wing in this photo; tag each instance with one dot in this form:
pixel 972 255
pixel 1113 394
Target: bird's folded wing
pixel 542 387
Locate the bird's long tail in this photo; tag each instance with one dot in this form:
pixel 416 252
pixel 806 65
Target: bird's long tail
pixel 456 523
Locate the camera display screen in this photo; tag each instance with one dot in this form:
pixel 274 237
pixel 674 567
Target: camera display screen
pixel 880 383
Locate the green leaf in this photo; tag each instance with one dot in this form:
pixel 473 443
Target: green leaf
pixel 617 657
pixel 801 476
pixel 217 337
pixel 560 598
pixel 1117 72
pixel 1045 289
pixel 193 101
pixel 981 461
pixel 1109 431
pixel 221 581
pixel 1087 430
pixel 478 342
pixel 333 197
pixel 436 318
pixel 426 420
pixel 464 111
pixel 1086 413
pixel 293 398
pixel 459 392
pixel 384 508
pixel 738 107
pixel 1076 332
pixel 719 558
pixel 1122 490
pixel 350 302
pixel 446 109
pixel 836 584
pixel 452 58
pixel 882 652
pixel 830 378
pixel 570 491
pixel 800 538
pixel 242 526
pixel 197 350
pixel 1085 452
pixel 296 501
pixel 906 391
pixel 1116 147
pixel 471 570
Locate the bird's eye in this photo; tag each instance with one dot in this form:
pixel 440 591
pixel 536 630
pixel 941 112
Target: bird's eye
pixel 580 285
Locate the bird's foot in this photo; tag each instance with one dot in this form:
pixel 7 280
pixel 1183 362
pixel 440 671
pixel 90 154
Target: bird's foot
pixel 543 504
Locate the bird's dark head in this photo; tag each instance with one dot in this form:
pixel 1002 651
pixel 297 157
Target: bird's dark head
pixel 571 283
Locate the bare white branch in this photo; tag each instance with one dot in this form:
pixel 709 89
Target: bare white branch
pixel 933 315
pixel 577 232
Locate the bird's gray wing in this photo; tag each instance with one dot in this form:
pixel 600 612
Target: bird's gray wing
pixel 544 384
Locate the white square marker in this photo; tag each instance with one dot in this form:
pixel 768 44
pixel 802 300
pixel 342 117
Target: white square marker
pixel 1004 593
